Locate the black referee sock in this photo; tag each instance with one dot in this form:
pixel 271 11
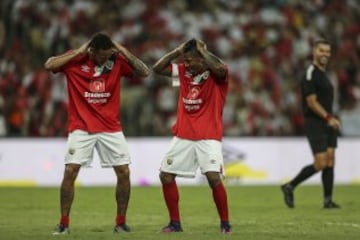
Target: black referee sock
pixel 304 174
pixel 327 178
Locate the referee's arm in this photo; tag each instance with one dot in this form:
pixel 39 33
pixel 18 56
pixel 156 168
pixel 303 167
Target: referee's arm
pixel 315 106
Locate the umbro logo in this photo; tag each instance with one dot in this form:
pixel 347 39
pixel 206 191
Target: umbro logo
pixel 85 68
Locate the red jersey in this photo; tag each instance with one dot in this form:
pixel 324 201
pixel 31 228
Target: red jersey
pixel 200 105
pixel 94 93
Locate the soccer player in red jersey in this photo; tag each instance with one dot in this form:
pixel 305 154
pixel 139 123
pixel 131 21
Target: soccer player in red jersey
pixel 203 81
pixel 93 73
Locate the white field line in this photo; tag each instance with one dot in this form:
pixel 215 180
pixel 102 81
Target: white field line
pixel 347 224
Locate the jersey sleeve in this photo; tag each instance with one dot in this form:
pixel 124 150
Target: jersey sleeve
pixel 126 69
pixel 174 68
pixel 309 81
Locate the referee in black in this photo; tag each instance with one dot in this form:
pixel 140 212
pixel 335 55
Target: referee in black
pixel 321 127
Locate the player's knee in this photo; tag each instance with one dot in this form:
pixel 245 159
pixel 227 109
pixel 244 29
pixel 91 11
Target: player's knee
pixel 166 177
pixel 331 162
pixel 122 171
pixel 71 171
pixel 213 179
pixel 320 165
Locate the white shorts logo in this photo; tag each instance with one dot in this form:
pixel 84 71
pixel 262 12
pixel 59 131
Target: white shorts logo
pixel 71 151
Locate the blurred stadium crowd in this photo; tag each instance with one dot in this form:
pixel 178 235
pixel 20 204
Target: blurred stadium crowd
pixel 267 45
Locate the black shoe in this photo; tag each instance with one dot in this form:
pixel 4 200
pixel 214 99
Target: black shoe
pixel 122 228
pixel 61 230
pixel 172 227
pixel 225 228
pixel 288 195
pixel 331 205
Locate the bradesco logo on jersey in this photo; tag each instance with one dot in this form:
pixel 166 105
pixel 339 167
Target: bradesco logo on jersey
pixel 193 102
pixel 97 94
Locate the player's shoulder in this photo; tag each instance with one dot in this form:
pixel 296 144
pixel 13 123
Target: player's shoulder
pixel 179 65
pixel 178 68
pixel 116 56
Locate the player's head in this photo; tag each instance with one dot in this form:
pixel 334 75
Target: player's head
pixel 321 52
pixel 194 62
pixel 101 47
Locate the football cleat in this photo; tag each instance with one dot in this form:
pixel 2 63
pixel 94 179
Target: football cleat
pixel 172 227
pixel 331 205
pixel 61 229
pixel 122 228
pixel 288 195
pixel 225 228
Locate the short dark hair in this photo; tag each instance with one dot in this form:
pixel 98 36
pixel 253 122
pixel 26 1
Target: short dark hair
pixel 321 41
pixel 101 41
pixel 190 46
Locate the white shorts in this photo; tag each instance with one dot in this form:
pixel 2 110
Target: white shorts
pixel 111 148
pixel 184 157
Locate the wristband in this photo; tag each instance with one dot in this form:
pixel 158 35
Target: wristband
pixel 328 117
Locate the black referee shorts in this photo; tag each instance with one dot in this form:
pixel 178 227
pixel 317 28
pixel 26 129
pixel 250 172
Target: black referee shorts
pixel 320 135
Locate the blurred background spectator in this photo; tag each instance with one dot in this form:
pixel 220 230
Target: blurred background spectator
pixel 266 44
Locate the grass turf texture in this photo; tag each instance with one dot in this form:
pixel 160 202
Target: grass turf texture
pixel 257 212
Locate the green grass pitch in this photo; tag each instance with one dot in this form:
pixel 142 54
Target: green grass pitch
pixel 257 212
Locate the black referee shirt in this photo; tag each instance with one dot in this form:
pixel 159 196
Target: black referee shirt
pixel 316 82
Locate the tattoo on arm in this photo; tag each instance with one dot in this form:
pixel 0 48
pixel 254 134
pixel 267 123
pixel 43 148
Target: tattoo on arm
pixel 216 65
pixel 140 68
pixel 160 67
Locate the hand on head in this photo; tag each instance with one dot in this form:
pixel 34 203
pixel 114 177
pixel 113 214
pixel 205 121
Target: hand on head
pixel 192 45
pixel 200 45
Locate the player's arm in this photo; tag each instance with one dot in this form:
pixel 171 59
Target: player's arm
pixel 216 65
pixel 140 68
pixel 161 66
pixel 55 62
pixel 315 106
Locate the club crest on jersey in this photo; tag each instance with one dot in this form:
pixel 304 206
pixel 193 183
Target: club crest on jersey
pixel 201 77
pixel 97 85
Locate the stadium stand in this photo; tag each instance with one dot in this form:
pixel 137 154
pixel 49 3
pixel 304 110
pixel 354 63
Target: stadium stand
pixel 266 44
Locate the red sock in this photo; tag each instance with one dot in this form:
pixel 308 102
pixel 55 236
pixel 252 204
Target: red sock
pixel 220 199
pixel 171 196
pixel 65 221
pixel 120 219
